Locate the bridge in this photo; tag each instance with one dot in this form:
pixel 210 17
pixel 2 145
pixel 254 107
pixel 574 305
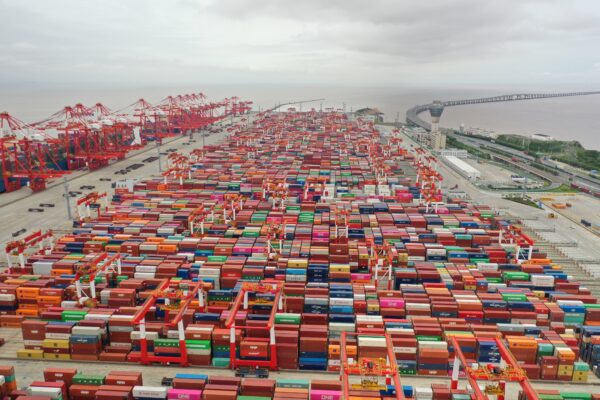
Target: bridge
pixel 412 115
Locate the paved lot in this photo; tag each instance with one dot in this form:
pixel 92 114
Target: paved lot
pixel 495 174
pixel 583 206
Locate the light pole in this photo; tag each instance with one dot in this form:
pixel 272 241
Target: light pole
pixel 67 197
pixel 158 155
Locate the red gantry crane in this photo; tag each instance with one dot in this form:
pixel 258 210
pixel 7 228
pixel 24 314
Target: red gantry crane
pixel 38 242
pixel 370 369
pixel 176 297
pixel 495 376
pixel 28 155
pixel 93 265
pixel 267 287
pixel 86 203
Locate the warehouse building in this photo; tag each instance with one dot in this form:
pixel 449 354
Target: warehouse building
pixel 463 168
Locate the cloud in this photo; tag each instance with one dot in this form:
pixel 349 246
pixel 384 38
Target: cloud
pixel 347 42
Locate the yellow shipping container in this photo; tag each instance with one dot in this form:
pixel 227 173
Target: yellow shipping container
pixel 56 343
pixel 53 356
pixel 30 354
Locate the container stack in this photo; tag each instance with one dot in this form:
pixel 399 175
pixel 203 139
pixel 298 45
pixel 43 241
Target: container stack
pixel 321 204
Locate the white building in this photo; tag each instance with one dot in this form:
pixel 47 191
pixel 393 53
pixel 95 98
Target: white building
pixel 463 168
pixel 542 137
pixel 455 153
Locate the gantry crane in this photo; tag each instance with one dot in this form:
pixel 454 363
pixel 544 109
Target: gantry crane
pixel 39 241
pixel 176 297
pixel 199 216
pixel 274 288
pixel 92 266
pixel 382 259
pixel 370 370
pixel 88 202
pixel 513 235
pixel 496 374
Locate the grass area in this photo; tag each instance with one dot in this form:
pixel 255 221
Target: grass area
pixel 561 189
pixel 569 152
pixel 526 201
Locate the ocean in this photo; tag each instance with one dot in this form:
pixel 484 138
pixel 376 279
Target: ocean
pixel 568 118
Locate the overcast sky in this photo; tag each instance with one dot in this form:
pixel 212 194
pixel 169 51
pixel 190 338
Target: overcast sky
pixel 345 42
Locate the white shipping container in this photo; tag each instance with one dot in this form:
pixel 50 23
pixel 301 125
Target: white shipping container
pixel 137 335
pixel 92 316
pixel 42 267
pixel 369 341
pixel 405 350
pixel 60 336
pixel 335 301
pixel 86 330
pixel 32 342
pixel 146 268
pixel 487 267
pixel 427 344
pixel 144 275
pixel 369 318
pixel 423 393
pixel 53 393
pixel 341 327
pixel 153 392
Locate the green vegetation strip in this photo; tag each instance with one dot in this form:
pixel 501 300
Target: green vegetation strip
pixel 569 152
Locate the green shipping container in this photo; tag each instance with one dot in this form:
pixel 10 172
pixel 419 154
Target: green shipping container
pixel 82 379
pixel 287 318
pixel 550 396
pixel 515 276
pixel 166 342
pixel 253 398
pixel 407 371
pixel 576 396
pixel 198 344
pixel 220 362
pixel 581 366
pixel 514 297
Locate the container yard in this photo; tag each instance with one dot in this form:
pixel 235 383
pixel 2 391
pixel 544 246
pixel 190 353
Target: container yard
pixel 306 256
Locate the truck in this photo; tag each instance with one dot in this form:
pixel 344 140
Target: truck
pixel 585 222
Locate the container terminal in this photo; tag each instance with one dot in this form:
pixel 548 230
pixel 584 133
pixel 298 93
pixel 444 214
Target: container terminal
pixel 288 255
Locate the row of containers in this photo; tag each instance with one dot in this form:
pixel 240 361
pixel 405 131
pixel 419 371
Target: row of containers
pixel 313 316
pixel 70 384
pixel 338 204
